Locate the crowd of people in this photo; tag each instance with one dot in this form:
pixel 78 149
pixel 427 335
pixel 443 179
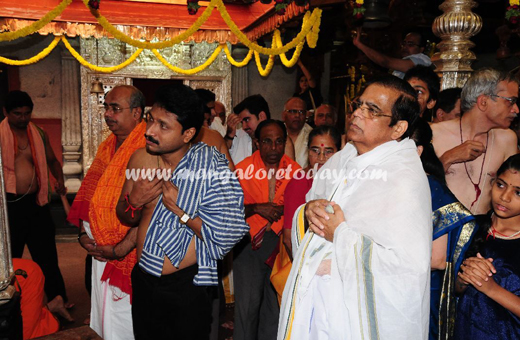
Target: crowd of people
pixel 406 227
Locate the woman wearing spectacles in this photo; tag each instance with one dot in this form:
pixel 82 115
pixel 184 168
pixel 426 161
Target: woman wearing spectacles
pixel 324 141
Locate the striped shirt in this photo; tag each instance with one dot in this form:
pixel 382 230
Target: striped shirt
pixel 209 190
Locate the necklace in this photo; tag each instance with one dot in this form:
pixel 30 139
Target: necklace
pixel 475 185
pixel 496 234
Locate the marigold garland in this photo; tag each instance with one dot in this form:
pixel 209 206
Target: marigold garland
pixel 22 32
pixel 235 63
pixel 192 71
pixel 264 72
pixel 296 55
pixel 158 45
pixel 110 69
pixel 310 20
pixel 34 59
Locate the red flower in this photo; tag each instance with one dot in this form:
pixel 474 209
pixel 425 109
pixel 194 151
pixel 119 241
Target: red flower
pixel 94 4
pixel 281 11
pixel 192 11
pixel 358 16
pixel 514 20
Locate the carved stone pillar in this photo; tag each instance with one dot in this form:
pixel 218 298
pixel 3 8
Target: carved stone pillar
pixel 71 121
pixel 239 78
pixel 455 27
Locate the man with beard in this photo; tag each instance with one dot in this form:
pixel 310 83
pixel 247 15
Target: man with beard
pixel 250 112
pixel 256 304
pixel 294 113
pixel 26 157
pixel 93 211
pixel 185 222
pixel 473 147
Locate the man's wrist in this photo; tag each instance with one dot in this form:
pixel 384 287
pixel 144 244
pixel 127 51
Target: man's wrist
pixel 228 137
pixel 80 235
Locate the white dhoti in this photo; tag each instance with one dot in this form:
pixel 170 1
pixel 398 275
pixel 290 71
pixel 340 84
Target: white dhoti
pixel 110 309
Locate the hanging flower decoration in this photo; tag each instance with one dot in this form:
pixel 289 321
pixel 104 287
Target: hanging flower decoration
pixel 513 12
pixel 193 6
pixel 94 4
pixel 359 10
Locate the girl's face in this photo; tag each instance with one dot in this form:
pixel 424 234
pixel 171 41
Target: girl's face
pixel 303 83
pixel 505 194
pixel 321 148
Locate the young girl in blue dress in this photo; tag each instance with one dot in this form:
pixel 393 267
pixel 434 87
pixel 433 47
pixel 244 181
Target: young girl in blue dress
pixel 489 278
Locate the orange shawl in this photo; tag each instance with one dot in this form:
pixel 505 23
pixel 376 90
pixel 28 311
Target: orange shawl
pixel 9 151
pixel 102 188
pixel 257 190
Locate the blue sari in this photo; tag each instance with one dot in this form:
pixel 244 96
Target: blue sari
pixel 452 218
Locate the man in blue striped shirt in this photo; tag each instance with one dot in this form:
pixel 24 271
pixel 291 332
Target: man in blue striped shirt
pixel 186 221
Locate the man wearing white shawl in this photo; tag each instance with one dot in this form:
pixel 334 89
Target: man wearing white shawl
pixel 363 271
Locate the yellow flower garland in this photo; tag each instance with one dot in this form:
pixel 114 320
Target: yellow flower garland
pixel 307 27
pixel 34 59
pixel 192 71
pixel 264 72
pixel 235 63
pixel 310 29
pixel 148 45
pixel 22 32
pixel 296 55
pixel 99 68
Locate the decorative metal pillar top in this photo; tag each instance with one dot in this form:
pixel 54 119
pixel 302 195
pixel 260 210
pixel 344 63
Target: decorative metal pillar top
pixel 455 27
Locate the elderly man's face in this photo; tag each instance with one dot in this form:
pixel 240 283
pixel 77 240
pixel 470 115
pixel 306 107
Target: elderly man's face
pixel 324 116
pixel 271 144
pixel 501 110
pixel 367 133
pixel 119 116
pixel 294 114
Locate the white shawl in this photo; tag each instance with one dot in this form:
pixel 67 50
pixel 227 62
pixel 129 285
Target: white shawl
pixel 301 146
pixel 379 284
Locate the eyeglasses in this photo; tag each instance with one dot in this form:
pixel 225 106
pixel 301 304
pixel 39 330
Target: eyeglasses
pixel 512 100
pixel 408 43
pixel 316 152
pixel 114 108
pixel 296 112
pixel 268 142
pixel 367 111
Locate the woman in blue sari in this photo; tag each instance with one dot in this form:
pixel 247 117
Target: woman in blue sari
pixel 453 229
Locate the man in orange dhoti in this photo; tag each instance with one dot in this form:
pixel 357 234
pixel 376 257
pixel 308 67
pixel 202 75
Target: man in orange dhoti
pixel 94 211
pixel 263 177
pixel 26 159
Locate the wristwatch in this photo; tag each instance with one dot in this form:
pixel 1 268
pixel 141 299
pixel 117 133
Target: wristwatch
pixel 184 218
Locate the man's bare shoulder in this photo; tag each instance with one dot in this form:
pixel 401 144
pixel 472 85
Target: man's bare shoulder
pixel 140 158
pixel 505 136
pixel 445 127
pixel 506 141
pixel 210 137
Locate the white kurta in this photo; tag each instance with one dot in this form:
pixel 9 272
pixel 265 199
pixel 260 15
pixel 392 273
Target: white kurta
pixel 110 310
pixel 301 146
pixel 378 284
pixel 242 146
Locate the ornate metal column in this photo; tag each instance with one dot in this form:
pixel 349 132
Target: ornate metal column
pixel 71 122
pixel 6 267
pixel 455 27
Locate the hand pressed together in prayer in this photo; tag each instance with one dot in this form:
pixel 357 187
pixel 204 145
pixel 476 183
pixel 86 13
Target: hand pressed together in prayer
pixel 270 211
pixel 478 272
pixel 145 190
pixel 320 221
